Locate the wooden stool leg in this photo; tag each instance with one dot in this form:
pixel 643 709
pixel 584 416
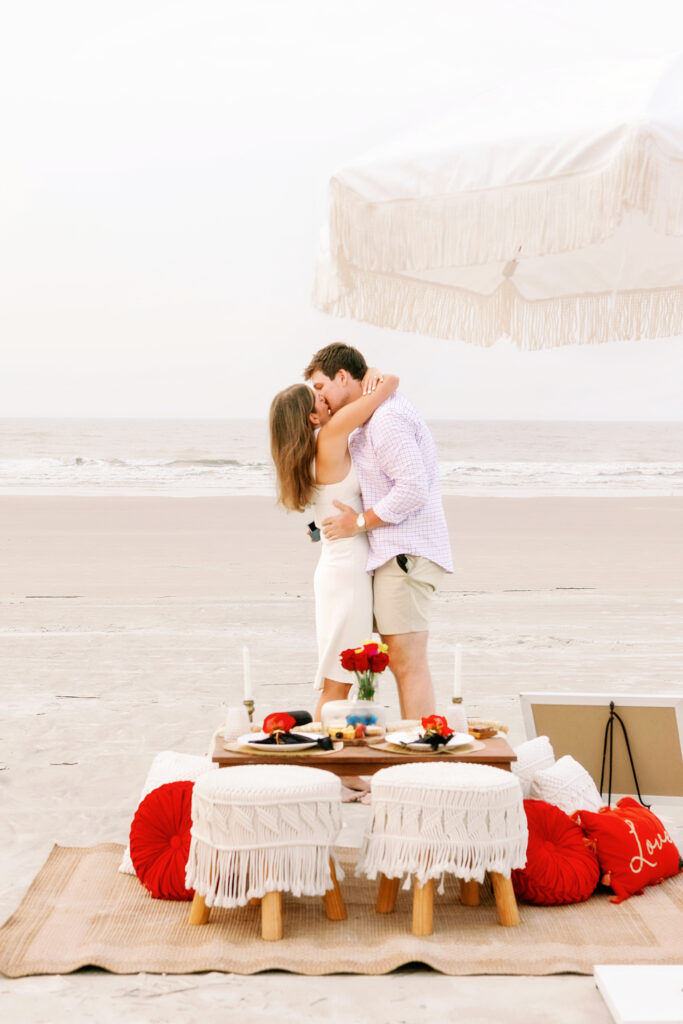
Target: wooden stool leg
pixel 423 908
pixel 508 915
pixel 469 892
pixel 386 897
pixel 333 899
pixel 271 916
pixel 199 912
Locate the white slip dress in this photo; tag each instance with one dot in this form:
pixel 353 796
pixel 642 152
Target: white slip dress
pixel 341 584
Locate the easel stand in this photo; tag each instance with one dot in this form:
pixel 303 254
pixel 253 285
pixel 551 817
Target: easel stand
pixel 609 737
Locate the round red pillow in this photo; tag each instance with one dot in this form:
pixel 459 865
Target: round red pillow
pixel 560 867
pixel 160 840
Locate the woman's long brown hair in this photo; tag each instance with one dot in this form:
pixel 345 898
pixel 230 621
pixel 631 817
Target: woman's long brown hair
pixel 292 445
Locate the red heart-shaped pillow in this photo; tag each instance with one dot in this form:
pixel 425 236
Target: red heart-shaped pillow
pixel 633 846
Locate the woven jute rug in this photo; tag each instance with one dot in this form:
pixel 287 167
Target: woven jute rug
pixel 80 911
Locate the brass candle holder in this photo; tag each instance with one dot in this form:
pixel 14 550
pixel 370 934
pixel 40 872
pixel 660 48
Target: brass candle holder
pixel 249 705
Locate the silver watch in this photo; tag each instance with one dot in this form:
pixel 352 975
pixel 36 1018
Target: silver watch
pixel 360 521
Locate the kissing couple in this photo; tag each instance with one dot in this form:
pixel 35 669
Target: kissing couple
pixel 358 453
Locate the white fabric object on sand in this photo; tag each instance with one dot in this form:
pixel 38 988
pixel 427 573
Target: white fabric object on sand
pixel 263 828
pixel 532 756
pixel 567 785
pixel 167 766
pixel 429 819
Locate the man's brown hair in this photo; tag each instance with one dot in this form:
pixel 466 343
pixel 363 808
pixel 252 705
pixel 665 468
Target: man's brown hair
pixel 333 358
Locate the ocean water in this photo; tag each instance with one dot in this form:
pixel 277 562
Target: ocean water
pixel 229 457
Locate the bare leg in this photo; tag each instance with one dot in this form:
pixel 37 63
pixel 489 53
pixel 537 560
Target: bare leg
pixel 332 690
pixel 408 662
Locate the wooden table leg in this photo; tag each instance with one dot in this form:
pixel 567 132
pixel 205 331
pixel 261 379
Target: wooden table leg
pixel 423 908
pixel 386 897
pixel 271 916
pixel 199 912
pixel 469 892
pixel 333 899
pixel 508 914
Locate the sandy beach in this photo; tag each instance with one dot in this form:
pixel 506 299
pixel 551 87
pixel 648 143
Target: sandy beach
pixel 123 621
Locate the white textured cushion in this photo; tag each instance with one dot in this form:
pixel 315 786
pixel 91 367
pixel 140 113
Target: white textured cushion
pixel 532 756
pixel 431 818
pixel 567 785
pixel 261 828
pixel 168 766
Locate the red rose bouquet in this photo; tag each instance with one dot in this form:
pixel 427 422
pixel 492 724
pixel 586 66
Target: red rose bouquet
pixel 365 662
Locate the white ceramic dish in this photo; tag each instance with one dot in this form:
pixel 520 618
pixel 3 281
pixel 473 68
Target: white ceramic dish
pixel 251 740
pixel 410 740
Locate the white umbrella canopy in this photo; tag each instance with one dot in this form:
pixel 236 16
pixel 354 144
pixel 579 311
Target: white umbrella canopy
pixel 550 211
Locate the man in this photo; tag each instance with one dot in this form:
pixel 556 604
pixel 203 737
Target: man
pixel 396 461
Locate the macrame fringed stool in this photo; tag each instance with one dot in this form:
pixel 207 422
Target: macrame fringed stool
pixel 262 830
pixel 429 819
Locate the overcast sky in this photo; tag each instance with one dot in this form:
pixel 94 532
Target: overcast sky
pixel 163 184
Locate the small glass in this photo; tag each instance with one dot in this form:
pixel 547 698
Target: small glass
pixel 236 723
pixel 456 717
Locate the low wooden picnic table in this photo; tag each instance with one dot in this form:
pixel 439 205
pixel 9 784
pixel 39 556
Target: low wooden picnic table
pixel 366 760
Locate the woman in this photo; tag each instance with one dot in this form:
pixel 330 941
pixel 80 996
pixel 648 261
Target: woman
pixel 314 468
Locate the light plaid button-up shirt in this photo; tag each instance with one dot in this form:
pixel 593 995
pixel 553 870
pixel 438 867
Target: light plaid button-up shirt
pixel 396 461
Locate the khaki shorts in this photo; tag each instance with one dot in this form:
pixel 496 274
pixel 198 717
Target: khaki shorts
pixel 402 600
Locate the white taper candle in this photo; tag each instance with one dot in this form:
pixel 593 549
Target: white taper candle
pixel 248 690
pixel 457 672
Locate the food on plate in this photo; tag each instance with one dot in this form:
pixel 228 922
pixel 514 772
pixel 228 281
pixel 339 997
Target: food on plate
pixel 341 731
pixel 484 729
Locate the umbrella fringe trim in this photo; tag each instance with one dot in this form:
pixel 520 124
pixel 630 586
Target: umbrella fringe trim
pixel 551 216
pixel 408 304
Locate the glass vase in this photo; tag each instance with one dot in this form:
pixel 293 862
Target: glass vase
pixel 354 720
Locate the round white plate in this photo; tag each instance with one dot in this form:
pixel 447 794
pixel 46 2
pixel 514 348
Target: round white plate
pixel 250 740
pixel 410 740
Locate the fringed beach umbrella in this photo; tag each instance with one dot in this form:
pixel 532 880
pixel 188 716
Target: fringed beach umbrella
pixel 550 211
